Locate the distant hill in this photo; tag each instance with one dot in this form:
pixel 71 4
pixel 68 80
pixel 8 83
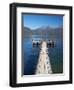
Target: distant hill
pixel 27 32
pixel 52 32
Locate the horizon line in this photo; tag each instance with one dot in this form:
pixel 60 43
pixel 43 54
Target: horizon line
pixel 44 26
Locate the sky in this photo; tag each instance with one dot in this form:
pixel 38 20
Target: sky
pixel 34 21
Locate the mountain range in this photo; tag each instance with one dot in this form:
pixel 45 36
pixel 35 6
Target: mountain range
pixel 52 32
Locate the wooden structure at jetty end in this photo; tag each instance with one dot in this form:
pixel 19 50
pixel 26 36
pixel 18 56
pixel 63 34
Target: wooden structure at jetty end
pixel 49 43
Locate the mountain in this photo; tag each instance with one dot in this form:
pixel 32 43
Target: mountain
pixel 42 30
pixel 48 31
pixel 26 32
pixel 52 32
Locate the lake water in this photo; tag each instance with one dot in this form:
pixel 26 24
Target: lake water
pixel 31 55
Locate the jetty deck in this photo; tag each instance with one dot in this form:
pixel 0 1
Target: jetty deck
pixel 44 65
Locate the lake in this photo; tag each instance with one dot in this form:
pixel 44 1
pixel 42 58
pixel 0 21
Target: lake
pixel 31 54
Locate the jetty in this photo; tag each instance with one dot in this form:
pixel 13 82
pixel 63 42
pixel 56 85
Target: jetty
pixel 44 65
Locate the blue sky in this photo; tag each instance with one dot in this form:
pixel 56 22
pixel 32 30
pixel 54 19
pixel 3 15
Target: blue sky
pixel 35 21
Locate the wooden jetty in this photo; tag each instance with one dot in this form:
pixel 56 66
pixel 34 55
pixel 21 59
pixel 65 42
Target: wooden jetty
pixel 44 65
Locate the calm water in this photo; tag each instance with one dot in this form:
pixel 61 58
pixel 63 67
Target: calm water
pixel 31 55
